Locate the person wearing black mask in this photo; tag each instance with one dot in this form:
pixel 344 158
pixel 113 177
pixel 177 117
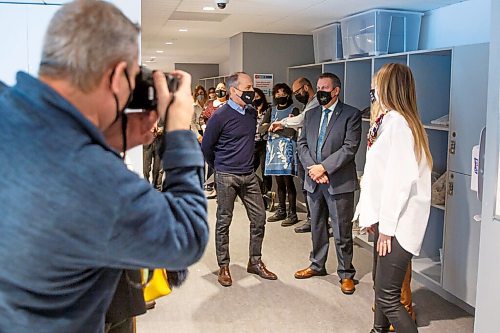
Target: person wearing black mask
pixel 304 94
pixel 327 146
pixel 281 156
pixel 228 146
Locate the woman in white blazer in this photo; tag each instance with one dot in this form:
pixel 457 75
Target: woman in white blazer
pixel 395 190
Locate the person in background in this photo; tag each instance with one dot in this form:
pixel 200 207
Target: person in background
pixel 212 106
pixel 259 159
pixel 228 146
pixel 151 157
pixel 281 155
pixel 395 196
pixel 75 217
pixel 211 94
pixel 303 92
pixel 327 147
pixel 200 98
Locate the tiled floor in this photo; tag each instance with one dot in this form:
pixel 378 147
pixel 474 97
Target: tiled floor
pixel 286 305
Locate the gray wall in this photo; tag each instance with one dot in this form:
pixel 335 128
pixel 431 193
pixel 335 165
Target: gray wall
pixel 236 53
pixel 274 53
pixel 488 288
pixel 198 71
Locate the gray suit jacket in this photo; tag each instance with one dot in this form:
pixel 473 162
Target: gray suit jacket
pixel 343 136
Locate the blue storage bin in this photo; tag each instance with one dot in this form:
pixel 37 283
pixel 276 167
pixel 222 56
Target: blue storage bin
pixel 379 31
pixel 327 43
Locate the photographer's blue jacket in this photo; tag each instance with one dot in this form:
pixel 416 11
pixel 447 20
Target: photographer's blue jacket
pixel 72 216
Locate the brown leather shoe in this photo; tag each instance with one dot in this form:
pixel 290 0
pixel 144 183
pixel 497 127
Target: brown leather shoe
pixel 260 269
pixel 308 273
pixel 347 286
pixel 224 277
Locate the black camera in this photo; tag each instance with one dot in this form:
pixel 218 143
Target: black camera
pixel 144 95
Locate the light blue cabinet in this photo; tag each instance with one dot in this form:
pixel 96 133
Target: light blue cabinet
pixel 468 103
pixel 461 239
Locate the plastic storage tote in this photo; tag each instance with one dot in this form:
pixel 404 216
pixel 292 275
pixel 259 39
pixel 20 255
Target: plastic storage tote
pixel 327 43
pixel 379 31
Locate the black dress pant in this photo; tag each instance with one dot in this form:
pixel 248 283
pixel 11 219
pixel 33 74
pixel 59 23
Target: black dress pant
pixel 340 209
pixel 259 161
pixel 389 273
pixel 246 187
pixel 301 173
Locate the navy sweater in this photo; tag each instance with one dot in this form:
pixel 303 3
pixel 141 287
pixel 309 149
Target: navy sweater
pixel 228 141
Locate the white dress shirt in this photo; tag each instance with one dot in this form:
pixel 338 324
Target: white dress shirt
pixel 297 122
pixel 331 108
pixel 396 189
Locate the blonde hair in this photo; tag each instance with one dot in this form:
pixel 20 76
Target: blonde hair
pixel 84 39
pixel 395 88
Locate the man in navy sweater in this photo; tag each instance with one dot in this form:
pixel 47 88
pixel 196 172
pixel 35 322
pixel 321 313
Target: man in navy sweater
pixel 228 146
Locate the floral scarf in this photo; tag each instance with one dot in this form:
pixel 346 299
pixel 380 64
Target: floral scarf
pixel 373 131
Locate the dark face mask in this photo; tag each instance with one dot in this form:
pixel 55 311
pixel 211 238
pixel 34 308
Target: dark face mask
pixel 121 113
pixel 281 100
pixel 373 97
pixel 324 97
pixel 247 96
pixel 302 98
pixel 258 102
pixel 220 93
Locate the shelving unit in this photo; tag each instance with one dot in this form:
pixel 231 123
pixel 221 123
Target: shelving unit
pixel 443 80
pixel 208 82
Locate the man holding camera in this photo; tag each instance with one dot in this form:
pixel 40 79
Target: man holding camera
pixel 228 146
pixel 73 215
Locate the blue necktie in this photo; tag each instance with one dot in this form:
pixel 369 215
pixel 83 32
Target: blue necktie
pixel 322 133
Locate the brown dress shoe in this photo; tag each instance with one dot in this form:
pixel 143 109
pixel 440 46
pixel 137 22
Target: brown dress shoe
pixel 308 273
pixel 347 286
pixel 224 277
pixel 260 269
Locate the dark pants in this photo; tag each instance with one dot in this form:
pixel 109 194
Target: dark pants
pixel 340 209
pixel 389 274
pixel 246 187
pixel 150 156
pixel 126 326
pixel 301 173
pixel 286 186
pixel 259 161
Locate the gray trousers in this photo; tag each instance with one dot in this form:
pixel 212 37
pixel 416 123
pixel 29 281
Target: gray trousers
pixel 247 188
pixel 340 209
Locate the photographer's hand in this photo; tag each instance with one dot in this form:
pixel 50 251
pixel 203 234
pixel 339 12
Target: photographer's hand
pixel 181 111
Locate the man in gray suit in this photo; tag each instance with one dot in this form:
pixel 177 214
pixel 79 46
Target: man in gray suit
pixel 328 143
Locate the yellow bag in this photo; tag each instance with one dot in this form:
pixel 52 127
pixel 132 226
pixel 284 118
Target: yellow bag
pixel 158 286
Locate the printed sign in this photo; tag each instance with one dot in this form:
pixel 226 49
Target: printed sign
pixel 265 83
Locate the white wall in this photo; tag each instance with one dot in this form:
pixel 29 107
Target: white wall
pixel 463 23
pixel 225 67
pixel 488 288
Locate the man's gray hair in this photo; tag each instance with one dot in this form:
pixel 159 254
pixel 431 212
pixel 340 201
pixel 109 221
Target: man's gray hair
pixel 232 80
pixel 84 39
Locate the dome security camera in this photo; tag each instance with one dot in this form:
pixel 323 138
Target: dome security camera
pixel 221 4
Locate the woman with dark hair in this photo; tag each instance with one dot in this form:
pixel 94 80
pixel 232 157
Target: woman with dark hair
pixel 281 156
pixel 259 158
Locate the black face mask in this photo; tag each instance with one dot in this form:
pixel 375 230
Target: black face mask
pixel 247 96
pixel 258 102
pixel 302 98
pixel 373 96
pixel 281 100
pixel 121 113
pixel 220 93
pixel 324 97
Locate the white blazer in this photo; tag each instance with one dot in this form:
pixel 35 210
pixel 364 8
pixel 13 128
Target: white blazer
pixel 396 189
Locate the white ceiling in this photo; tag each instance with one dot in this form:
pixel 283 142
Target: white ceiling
pixel 208 42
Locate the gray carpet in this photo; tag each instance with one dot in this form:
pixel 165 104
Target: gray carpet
pixel 255 305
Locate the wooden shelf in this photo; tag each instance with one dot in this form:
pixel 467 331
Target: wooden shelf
pixel 437 127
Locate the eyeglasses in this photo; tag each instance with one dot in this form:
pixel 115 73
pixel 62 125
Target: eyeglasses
pixel 372 96
pixel 296 92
